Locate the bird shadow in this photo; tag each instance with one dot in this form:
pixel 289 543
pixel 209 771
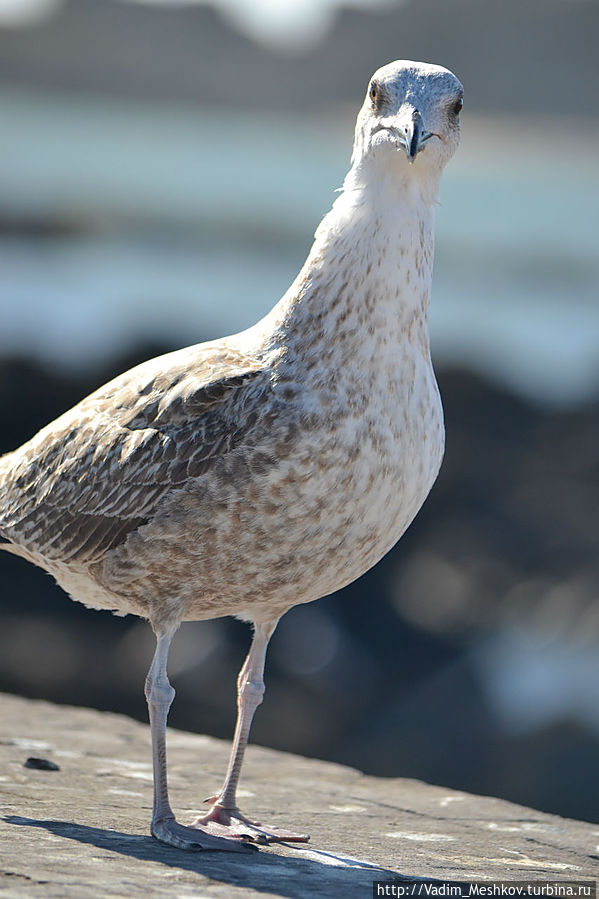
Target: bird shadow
pixel 307 872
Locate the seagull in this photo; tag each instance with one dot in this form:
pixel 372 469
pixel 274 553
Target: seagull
pixel 269 468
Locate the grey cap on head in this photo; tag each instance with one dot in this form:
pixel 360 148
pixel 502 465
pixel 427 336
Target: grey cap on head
pixel 412 106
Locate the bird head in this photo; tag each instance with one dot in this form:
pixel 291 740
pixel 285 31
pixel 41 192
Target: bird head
pixel 411 115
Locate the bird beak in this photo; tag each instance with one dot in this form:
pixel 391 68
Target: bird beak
pixel 410 133
pixel 414 132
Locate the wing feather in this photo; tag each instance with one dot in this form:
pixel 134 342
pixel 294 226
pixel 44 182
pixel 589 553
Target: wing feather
pixel 99 472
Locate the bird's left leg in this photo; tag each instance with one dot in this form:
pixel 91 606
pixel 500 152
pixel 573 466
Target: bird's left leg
pixel 224 816
pixel 165 827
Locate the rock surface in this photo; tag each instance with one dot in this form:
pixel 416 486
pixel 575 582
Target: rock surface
pixel 82 831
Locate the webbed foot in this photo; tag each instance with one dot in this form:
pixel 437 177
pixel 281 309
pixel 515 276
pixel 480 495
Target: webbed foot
pixel 197 838
pixel 223 822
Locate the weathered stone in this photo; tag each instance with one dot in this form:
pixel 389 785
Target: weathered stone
pixel 82 831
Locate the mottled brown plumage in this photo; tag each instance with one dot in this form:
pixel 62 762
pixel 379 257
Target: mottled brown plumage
pixel 272 467
pixel 100 471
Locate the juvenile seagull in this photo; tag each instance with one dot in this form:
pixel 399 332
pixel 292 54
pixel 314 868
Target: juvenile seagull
pixel 269 468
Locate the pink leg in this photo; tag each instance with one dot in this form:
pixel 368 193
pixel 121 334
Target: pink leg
pixel 160 695
pixel 224 816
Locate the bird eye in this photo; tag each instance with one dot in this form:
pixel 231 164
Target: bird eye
pixel 373 93
pixel 457 106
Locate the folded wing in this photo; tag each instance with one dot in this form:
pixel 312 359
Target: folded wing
pixel 84 483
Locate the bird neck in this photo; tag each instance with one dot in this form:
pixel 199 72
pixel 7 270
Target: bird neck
pixel 366 282
pixel 394 178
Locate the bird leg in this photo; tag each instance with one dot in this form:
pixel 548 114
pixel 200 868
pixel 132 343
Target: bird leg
pixel 165 827
pixel 224 816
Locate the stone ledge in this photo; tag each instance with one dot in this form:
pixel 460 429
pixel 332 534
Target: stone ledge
pixel 82 831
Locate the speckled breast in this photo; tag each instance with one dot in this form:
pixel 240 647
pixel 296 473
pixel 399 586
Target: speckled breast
pixel 255 542
pixel 354 491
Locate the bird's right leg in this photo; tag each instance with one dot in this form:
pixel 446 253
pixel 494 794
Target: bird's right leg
pixel 224 815
pixel 165 827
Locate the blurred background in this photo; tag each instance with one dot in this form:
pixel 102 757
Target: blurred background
pixel 162 169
